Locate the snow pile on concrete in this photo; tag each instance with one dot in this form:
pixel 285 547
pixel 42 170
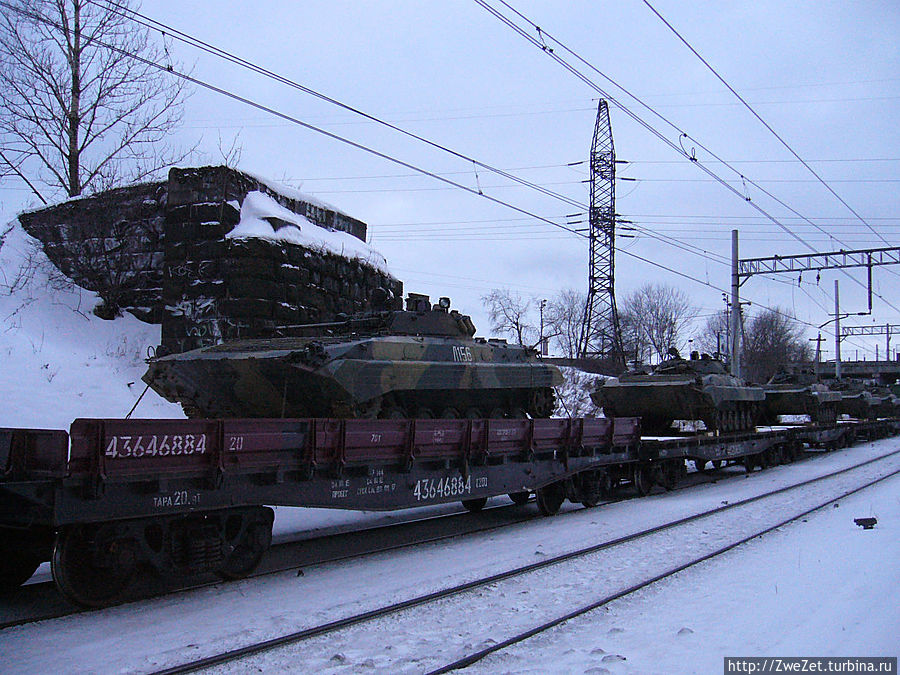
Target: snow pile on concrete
pixel 573 396
pixel 57 360
pixel 264 218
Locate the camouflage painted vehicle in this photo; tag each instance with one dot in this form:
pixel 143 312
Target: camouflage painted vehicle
pixel 857 401
pixel 800 394
pixel 423 362
pixel 679 389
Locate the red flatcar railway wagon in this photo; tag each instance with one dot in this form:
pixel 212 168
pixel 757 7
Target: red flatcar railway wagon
pixel 186 497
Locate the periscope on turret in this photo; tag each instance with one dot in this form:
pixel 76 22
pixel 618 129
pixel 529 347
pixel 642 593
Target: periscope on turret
pixel 423 362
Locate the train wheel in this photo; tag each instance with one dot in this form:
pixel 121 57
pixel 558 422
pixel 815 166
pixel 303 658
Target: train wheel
pixel 550 498
pixel 642 479
pixel 92 566
pixel 670 474
pixel 497 413
pixel 473 414
pixel 449 414
pixel 474 505
pixel 518 414
pixel 424 413
pixel 607 484
pixel 250 548
pixel 520 498
pixel 590 488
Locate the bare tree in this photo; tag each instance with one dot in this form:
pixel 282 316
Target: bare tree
pixel 77 111
pixel 771 339
pixel 657 316
pixel 563 319
pixel 509 315
pixel 634 341
pixel 714 336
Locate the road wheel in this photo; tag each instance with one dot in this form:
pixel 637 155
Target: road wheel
pixel 92 566
pixel 520 498
pixel 474 505
pixel 542 402
pixel 550 498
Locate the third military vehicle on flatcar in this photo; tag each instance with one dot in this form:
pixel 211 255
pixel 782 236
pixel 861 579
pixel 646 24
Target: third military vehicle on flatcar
pixel 699 389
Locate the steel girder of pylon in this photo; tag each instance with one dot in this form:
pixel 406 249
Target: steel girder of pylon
pixel 600 336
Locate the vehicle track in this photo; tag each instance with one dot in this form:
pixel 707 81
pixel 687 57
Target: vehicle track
pixel 333 626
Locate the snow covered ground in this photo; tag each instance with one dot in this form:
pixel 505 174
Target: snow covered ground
pixel 818 587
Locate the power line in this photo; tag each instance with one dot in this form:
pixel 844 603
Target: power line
pixel 216 51
pixel 764 123
pixel 540 43
pixel 154 24
pixel 171 70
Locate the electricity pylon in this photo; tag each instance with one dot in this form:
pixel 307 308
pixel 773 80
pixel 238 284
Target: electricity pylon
pixel 600 335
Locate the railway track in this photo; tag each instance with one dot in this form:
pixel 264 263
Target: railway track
pixel 583 556
pixel 29 604
pixel 41 601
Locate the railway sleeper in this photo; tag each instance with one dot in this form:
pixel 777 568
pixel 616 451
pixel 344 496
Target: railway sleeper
pixel 96 564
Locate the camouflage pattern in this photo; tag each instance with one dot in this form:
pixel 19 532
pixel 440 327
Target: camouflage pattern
pixel 799 393
pixel 860 401
pixel 423 362
pixel 679 389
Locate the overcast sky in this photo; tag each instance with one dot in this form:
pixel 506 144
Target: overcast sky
pixel 824 75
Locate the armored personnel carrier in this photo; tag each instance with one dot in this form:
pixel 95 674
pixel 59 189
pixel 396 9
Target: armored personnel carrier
pixel 800 394
pixel 422 362
pixel 860 401
pixel 679 389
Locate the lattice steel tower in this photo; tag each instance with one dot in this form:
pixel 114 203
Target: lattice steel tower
pixel 600 336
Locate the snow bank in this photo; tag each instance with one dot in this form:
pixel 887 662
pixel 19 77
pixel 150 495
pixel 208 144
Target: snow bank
pixel 286 226
pixel 57 360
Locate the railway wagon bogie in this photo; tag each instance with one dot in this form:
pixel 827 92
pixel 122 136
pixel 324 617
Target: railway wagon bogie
pixel 96 564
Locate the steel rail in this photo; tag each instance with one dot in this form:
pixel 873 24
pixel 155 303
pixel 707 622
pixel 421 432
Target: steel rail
pixel 338 624
pixel 466 517
pixel 521 637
